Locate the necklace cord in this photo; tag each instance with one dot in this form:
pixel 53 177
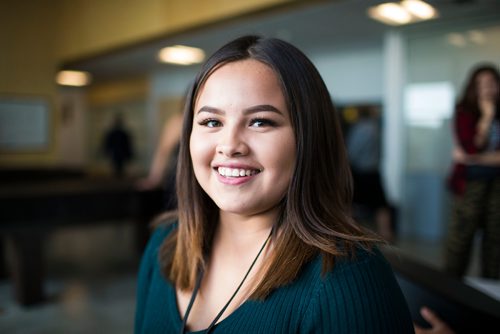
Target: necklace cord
pixel 191 301
pixel 198 284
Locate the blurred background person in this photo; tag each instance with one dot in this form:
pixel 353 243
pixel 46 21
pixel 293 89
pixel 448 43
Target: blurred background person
pixel 475 180
pixel 363 140
pixel 164 164
pixel 117 145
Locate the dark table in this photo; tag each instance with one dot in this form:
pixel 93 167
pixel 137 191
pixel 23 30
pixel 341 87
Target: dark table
pixel 31 209
pixel 464 308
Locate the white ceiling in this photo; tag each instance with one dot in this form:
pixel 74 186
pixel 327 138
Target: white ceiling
pixel 337 24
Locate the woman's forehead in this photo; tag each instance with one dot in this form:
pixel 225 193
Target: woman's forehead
pixel 241 81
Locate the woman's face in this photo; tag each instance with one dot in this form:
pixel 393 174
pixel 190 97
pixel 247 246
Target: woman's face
pixel 487 87
pixel 242 144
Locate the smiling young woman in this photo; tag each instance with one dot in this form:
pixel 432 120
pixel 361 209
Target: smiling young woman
pixel 263 240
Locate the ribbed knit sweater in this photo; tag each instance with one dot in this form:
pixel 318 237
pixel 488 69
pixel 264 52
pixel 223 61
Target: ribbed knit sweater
pixel 357 296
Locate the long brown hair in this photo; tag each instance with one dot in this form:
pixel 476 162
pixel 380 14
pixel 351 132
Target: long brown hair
pixel 315 214
pixel 469 100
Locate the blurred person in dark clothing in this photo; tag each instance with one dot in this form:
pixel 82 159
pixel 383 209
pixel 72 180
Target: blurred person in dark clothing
pixel 162 172
pixel 363 142
pixel 118 146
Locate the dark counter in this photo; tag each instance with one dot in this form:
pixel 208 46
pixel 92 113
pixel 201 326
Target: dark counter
pixel 462 307
pixel 32 206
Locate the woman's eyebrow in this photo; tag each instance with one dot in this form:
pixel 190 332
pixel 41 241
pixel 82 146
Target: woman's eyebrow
pixel 262 107
pixel 211 110
pixel 246 111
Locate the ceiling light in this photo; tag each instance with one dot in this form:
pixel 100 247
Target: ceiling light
pixel 408 11
pixel 419 9
pixel 73 78
pixel 181 55
pixel 390 13
pixel 457 40
pixel 477 37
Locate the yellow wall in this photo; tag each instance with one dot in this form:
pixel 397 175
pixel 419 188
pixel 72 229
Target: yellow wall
pixel 38 35
pixel 28 63
pixel 92 26
pixel 109 93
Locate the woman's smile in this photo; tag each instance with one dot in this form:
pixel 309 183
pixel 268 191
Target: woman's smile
pixel 236 176
pixel 236 172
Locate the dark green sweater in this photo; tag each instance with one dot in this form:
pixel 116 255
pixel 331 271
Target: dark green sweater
pixel 357 296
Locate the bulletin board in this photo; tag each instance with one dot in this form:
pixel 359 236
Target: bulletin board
pixel 24 124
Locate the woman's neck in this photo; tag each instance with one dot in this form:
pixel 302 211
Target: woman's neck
pixel 243 233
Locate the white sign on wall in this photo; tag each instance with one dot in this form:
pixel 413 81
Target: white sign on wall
pixel 24 125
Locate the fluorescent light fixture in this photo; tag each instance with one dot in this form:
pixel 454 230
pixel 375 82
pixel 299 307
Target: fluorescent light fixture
pixel 419 9
pixel 390 13
pixel 477 37
pixel 456 39
pixel 181 55
pixel 73 78
pixel 408 11
pixel 461 40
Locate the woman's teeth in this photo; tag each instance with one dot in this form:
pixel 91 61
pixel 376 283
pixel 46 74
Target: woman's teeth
pixel 236 172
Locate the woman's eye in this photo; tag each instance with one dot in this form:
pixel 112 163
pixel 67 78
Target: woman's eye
pixel 260 122
pixel 210 123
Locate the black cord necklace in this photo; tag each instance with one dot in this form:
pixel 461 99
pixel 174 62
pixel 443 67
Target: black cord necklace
pixel 197 287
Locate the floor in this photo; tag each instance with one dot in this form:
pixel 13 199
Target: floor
pixel 90 285
pixel 91 282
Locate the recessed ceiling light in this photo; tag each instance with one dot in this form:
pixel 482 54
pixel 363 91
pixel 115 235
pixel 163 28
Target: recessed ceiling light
pixel 181 55
pixel 456 39
pixel 476 36
pixel 420 9
pixel 408 11
pixel 73 78
pixel 389 13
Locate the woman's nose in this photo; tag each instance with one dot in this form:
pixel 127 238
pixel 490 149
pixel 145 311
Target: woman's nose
pixel 232 143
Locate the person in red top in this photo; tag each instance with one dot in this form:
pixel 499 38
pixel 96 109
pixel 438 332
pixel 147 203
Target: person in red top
pixel 475 181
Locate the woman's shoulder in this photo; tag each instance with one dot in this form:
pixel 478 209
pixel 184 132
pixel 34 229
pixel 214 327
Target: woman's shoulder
pixel 359 259
pixel 361 270
pixel 359 262
pixel 361 292
pixel 357 268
